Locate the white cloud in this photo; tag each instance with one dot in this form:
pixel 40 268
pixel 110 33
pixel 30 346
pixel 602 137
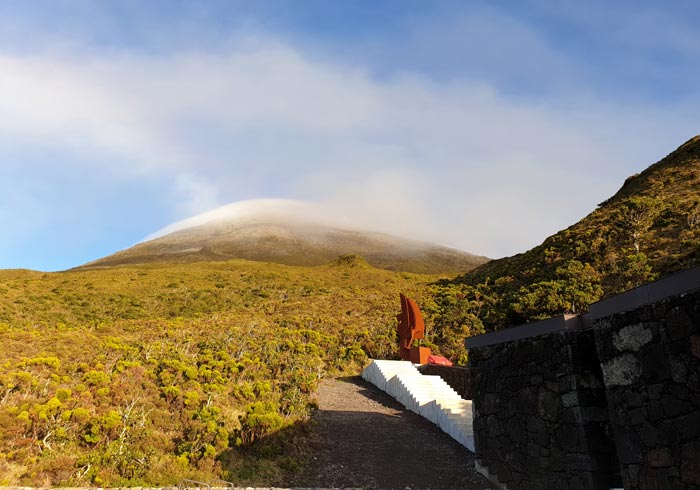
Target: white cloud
pixel 198 194
pixel 455 162
pixel 256 209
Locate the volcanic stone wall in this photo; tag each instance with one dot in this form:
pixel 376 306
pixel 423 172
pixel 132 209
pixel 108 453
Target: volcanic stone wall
pixel 541 419
pixel 651 363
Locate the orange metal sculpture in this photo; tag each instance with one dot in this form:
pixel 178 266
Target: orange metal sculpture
pixel 411 327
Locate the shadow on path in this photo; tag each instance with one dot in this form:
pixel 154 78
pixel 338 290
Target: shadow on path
pixel 364 438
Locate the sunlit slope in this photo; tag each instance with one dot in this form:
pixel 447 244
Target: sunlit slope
pixel 144 375
pixel 649 228
pixel 276 234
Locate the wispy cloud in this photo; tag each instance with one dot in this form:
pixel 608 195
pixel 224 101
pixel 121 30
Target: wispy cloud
pixel 460 159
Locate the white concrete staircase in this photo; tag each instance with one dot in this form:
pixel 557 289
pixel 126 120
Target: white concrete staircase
pixel 428 396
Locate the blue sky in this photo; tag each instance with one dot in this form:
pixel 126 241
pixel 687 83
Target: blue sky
pixel 491 124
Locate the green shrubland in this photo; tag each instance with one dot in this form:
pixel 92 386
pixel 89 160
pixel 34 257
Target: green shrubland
pixel 649 229
pixel 147 375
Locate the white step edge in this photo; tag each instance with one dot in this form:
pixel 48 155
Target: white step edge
pixel 426 395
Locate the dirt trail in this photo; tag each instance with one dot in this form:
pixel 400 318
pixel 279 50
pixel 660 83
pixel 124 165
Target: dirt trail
pixel 364 438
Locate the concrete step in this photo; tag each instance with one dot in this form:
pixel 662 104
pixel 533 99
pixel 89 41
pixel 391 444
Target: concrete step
pixel 428 396
pixel 380 372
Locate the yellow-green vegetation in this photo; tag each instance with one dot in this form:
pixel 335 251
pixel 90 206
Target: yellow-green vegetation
pixel 144 375
pixel 649 229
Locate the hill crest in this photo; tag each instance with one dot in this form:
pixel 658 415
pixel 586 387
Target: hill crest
pixel 648 229
pixel 290 233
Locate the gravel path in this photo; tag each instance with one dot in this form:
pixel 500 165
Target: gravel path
pixel 364 438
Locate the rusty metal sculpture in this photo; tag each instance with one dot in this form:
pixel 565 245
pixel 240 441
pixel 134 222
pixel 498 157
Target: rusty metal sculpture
pixel 411 327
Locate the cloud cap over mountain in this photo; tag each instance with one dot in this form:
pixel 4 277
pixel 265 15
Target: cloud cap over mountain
pixel 287 232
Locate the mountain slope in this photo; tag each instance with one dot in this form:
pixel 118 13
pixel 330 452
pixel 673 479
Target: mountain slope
pixel 145 375
pixel 273 235
pixel 648 229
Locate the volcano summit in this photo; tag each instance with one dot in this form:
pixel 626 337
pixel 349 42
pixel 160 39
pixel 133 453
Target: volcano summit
pixel 286 232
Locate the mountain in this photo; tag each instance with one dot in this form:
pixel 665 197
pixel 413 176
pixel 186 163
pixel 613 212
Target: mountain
pixel 648 229
pixel 290 233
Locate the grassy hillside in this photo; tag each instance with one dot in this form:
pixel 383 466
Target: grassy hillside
pixel 147 375
pixel 649 228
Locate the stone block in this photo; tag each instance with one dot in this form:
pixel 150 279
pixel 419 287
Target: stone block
pixel 628 447
pixel 567 383
pixel 527 400
pixel 548 405
pixel 622 370
pixel 634 399
pixel 527 352
pixel 630 475
pixel 488 404
pixel 690 425
pixel 497 468
pixel 694 381
pixel 494 384
pixel 681 391
pixel 655 391
pixel 678 324
pixel 674 407
pixel 654 478
pixel 571 439
pixel 638 416
pixel 679 370
pixel 694 342
pixel 516 461
pixel 621 417
pixel 656 366
pixel 569 399
pixel 494 426
pixel 551 385
pixel 556 462
pixel 690 463
pixel 542 438
pixel 576 483
pixel 659 458
pixel 536 424
pixel 670 433
pixel 677 484
pixel 561 483
pixel 650 435
pixel 645 313
pixel 505 475
pixel 632 337
pixel 660 308
pixel 533 449
pixel 516 431
pixel 515 383
pixel 655 411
